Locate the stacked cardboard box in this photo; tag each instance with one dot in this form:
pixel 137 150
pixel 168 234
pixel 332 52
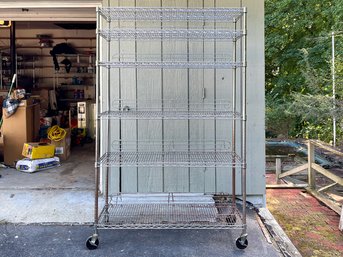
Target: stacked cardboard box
pixel 20 128
pixel 62 147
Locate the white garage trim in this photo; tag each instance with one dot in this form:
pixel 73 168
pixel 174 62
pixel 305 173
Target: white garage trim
pixel 75 10
pixel 49 4
pixel 51 14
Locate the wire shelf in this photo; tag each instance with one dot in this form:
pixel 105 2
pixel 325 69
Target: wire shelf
pixel 171 65
pixel 171 214
pixel 169 159
pixel 169 109
pixel 169 115
pixel 168 153
pixel 171 14
pixel 109 34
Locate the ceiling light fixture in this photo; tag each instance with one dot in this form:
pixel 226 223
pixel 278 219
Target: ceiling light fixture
pixel 5 24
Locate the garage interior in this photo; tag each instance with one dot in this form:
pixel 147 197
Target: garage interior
pixel 56 93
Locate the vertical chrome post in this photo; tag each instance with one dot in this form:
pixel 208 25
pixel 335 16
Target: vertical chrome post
pixel 244 117
pixel 97 124
pixel 234 110
pixel 108 94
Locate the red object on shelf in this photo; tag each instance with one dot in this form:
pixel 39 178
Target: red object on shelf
pixel 73 123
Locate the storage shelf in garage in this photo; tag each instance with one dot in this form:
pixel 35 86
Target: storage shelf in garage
pixel 163 155
pixel 171 216
pixel 170 34
pixel 169 115
pixel 171 14
pixel 184 158
pixel 170 109
pixel 170 65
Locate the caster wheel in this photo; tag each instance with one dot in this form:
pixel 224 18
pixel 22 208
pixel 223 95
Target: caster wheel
pixel 231 219
pixel 241 243
pixel 91 243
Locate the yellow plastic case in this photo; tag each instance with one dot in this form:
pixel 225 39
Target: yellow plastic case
pixel 38 151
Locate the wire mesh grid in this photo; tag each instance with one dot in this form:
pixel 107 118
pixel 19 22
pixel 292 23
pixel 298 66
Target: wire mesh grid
pixel 174 154
pixel 171 61
pixel 171 64
pixel 168 114
pixel 169 159
pixel 121 33
pixel 171 214
pixel 171 14
pixel 169 109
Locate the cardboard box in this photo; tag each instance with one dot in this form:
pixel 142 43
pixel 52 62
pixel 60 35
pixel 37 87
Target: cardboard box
pixel 19 129
pixel 1 148
pixel 26 102
pixel 62 148
pixel 35 151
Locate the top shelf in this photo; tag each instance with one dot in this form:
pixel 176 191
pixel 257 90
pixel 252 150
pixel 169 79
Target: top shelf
pixel 171 14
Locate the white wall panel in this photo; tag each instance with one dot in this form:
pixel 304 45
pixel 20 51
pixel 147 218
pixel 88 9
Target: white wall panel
pixel 149 93
pixel 128 89
pixel 175 86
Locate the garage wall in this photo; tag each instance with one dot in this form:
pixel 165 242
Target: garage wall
pixel 144 85
pixel 35 62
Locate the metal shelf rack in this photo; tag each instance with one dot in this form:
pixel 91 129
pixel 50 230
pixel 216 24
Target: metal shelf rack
pixel 183 159
pixel 169 212
pixel 174 154
pixel 169 110
pixel 171 65
pixel 165 213
pixel 109 34
pixel 171 14
pixel 169 115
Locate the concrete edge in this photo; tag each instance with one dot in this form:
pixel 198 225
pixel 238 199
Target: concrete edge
pixel 71 224
pixel 285 245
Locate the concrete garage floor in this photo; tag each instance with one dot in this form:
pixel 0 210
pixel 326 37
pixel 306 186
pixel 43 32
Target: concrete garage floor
pixel 64 194
pixel 76 173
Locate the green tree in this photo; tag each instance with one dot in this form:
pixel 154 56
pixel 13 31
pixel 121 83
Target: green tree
pixel 298 69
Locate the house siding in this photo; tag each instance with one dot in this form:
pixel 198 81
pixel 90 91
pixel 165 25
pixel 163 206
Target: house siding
pixel 186 86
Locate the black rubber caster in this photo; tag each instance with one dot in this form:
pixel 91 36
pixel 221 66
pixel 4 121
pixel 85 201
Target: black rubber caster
pixel 92 242
pixel 242 243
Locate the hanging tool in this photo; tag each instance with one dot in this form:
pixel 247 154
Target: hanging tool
pixel 9 93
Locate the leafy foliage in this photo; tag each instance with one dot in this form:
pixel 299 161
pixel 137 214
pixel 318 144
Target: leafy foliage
pixel 298 66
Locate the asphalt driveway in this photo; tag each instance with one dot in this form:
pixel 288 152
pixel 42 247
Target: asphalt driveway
pixel 67 240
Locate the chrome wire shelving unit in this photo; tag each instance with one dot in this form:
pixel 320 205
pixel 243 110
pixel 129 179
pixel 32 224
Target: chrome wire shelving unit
pixel 172 110
pixel 109 34
pixel 171 14
pixel 170 65
pixel 169 114
pixel 175 154
pixel 172 210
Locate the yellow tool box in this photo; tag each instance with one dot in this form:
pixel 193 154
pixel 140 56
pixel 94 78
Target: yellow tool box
pixel 38 150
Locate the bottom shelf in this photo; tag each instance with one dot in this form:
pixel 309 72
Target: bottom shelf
pixel 171 215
